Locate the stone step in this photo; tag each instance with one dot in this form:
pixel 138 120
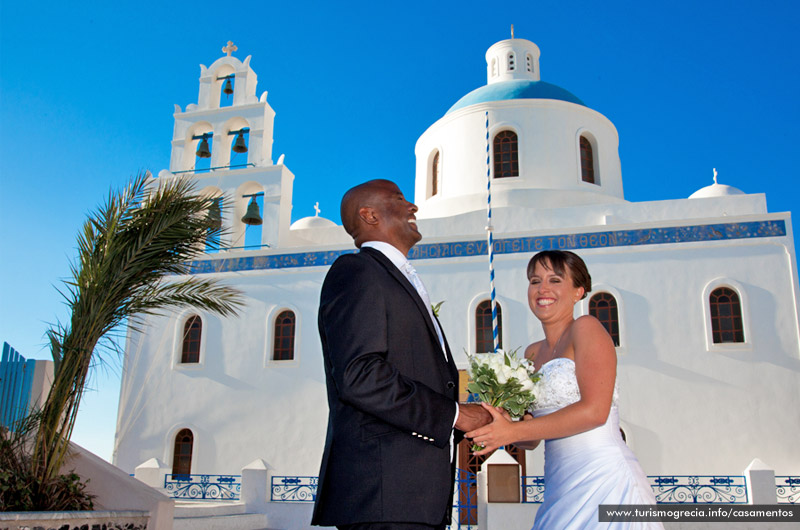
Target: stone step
pixel 245 521
pixel 207 509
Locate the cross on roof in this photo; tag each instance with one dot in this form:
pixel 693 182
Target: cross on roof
pixel 230 48
pixel 316 208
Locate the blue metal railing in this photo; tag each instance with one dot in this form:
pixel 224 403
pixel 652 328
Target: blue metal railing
pixel 304 489
pixel 787 489
pixel 532 489
pixel 203 487
pixel 703 489
pixel 247 247
pixel 466 500
pixel 671 489
pixel 668 489
pixel 294 489
pixel 208 169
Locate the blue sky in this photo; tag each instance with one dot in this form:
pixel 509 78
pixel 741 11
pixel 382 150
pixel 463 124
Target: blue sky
pixel 87 92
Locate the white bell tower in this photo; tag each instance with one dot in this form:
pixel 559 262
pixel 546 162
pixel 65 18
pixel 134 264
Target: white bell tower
pixel 224 142
pixel 512 59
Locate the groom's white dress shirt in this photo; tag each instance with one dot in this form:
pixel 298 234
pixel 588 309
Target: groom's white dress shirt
pixel 401 262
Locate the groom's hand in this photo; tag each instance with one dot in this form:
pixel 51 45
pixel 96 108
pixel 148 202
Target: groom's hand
pixel 470 417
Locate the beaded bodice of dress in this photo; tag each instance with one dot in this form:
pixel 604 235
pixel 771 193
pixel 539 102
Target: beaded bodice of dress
pixel 558 386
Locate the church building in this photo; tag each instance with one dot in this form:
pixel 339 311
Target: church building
pixel 700 295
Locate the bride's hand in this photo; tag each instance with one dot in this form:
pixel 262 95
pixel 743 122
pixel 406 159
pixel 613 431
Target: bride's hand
pixel 496 434
pixel 504 412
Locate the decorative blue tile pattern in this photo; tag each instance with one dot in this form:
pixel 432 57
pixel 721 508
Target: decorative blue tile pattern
pixel 277 261
pixel 529 244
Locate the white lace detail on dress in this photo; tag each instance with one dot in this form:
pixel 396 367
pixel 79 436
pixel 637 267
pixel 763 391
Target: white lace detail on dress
pixel 558 386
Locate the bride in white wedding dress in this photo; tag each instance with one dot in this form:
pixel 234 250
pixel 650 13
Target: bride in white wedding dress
pixel 586 461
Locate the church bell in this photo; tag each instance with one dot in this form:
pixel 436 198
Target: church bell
pixel 253 215
pixel 227 88
pixel 239 146
pixel 202 150
pixel 215 214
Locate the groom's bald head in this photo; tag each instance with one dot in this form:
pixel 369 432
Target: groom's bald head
pixel 377 211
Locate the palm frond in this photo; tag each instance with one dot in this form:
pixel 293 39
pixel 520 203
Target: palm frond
pixel 131 255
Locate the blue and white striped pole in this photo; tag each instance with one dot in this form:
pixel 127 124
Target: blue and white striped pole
pixel 489 239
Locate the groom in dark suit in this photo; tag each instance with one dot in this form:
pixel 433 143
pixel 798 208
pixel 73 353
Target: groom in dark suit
pixel 392 383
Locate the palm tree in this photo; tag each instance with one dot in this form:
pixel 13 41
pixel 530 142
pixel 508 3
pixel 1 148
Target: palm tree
pixel 133 260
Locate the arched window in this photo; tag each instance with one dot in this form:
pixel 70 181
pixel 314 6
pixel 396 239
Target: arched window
pixel 192 331
pixel 494 67
pixel 529 62
pixel 512 62
pixel 587 161
pixel 603 306
pixel 283 347
pixel 726 316
pixel 435 174
pixel 506 158
pixel 182 454
pixel 484 329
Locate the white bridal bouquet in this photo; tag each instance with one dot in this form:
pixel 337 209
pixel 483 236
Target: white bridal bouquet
pixel 502 380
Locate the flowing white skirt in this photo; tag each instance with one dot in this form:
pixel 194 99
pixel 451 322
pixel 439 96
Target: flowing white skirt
pixel 586 470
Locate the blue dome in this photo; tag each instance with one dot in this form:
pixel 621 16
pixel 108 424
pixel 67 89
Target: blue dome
pixel 519 89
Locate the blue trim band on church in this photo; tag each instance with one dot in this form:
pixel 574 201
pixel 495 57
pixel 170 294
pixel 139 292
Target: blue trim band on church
pixel 459 249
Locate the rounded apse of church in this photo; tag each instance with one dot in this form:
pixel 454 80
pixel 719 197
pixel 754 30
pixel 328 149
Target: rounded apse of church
pixel 546 148
pixel 312 222
pixel 715 190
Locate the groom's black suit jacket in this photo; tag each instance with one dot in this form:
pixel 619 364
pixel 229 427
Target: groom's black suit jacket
pixel 391 398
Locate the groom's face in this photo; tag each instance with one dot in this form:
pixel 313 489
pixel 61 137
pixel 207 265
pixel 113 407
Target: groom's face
pixel 396 217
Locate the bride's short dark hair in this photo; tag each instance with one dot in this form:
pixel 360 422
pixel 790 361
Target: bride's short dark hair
pixel 560 260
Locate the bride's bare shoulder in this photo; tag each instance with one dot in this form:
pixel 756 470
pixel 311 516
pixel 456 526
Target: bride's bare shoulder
pixel 532 350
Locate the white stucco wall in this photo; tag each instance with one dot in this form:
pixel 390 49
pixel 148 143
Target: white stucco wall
pixel 239 404
pixel 686 407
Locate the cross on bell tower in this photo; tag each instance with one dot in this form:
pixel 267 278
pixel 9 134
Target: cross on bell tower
pixel 230 48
